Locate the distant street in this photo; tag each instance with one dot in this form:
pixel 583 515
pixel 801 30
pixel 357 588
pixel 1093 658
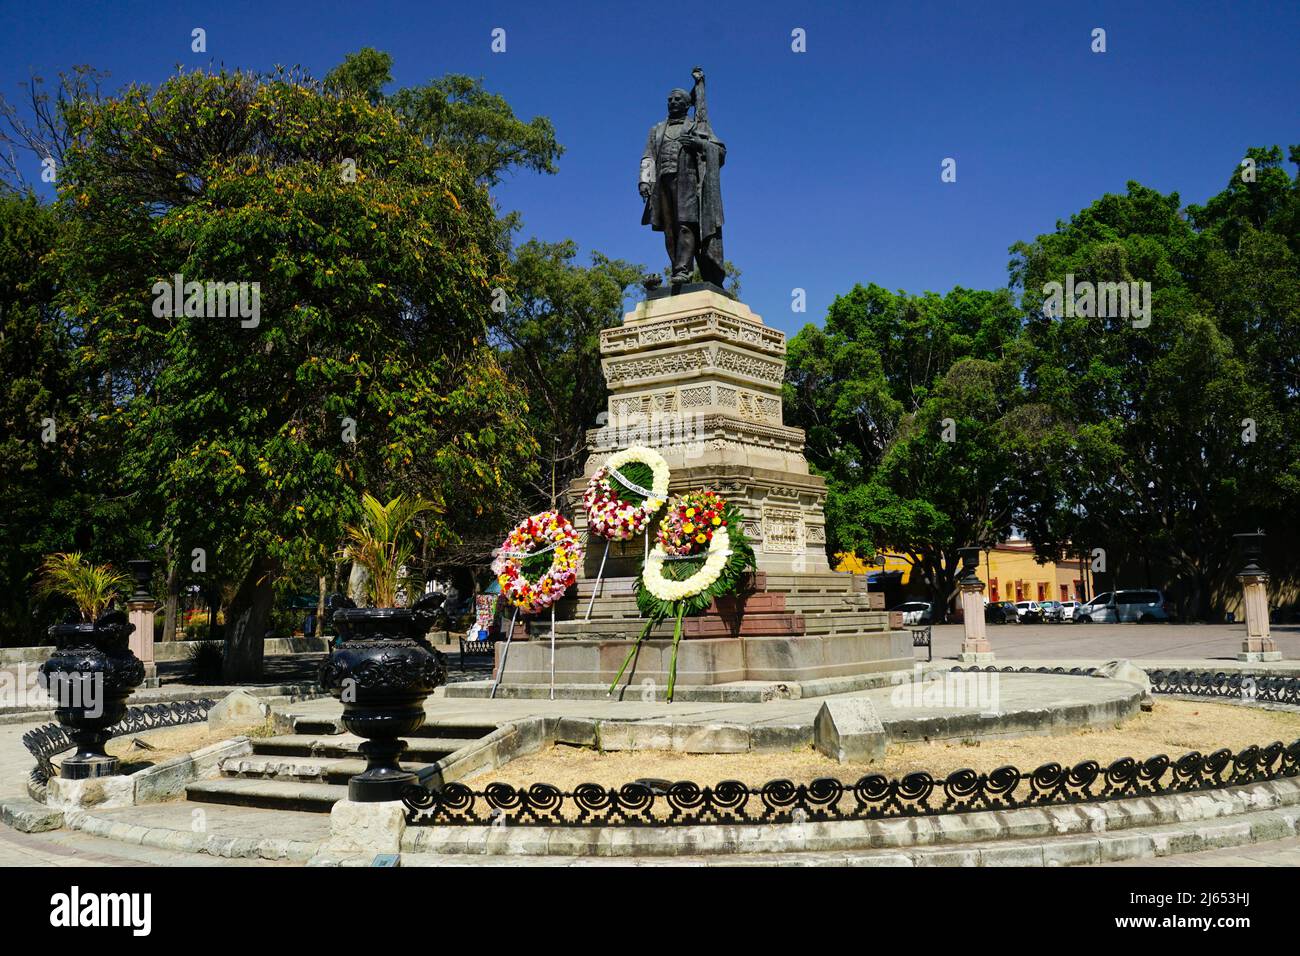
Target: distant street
pixel 1107 641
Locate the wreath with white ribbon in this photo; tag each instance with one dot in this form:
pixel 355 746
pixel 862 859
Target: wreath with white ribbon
pixel 625 492
pixel 701 553
pixel 538 561
pixel 667 590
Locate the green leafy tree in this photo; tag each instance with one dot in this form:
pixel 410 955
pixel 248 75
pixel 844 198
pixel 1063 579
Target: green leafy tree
pixel 455 113
pixel 952 477
pixel 1170 437
pixel 873 389
pixel 56 466
pixel 375 257
pixel 549 334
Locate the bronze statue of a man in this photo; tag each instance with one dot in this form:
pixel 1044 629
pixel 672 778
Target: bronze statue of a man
pixel 681 186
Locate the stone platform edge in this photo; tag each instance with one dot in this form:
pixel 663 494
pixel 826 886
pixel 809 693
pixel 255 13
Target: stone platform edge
pixel 1249 813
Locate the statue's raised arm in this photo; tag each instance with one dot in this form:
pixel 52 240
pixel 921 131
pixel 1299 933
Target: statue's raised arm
pixel 697 97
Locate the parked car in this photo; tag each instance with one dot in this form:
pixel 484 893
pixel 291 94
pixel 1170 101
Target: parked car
pixel 914 612
pixel 1068 609
pixel 1053 611
pixel 1128 606
pixel 1000 612
pixel 1029 612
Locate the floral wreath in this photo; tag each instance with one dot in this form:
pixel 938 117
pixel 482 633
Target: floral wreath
pixel 538 561
pixel 625 492
pixel 701 553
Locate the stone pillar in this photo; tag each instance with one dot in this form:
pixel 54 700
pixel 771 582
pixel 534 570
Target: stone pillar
pixel 975 647
pixel 140 608
pixel 1259 644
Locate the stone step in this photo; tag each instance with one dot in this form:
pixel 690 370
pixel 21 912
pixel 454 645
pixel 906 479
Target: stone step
pixel 747 625
pixel 306 769
pixel 820 582
pixel 625 608
pixel 267 794
pixel 751 625
pixel 332 726
pixel 419 749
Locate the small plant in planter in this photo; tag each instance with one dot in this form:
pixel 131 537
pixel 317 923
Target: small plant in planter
pixel 91 587
pixel 382 668
pixel 92 671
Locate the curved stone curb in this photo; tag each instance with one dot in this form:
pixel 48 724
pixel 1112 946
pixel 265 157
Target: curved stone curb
pixel 920 831
pixel 268 848
pixel 1081 850
pixel 29 816
pixel 512 739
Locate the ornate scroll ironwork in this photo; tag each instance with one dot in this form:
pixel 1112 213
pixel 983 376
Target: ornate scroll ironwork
pixel 1274 689
pixel 874 796
pixel 46 742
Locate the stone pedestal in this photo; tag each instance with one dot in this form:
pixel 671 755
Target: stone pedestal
pixel 1258 645
pixel 101 792
pixel 140 612
pixel 698 378
pixel 975 647
pixel 366 827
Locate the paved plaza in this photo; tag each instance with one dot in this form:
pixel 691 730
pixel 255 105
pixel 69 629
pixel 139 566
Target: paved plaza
pixel 1152 644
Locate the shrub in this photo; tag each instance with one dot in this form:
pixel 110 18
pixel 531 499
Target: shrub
pixel 205 661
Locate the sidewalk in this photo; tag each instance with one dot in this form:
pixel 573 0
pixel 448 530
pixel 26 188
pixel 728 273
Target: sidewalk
pixel 1057 645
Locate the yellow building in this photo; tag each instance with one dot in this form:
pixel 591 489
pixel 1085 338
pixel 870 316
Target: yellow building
pixel 1009 571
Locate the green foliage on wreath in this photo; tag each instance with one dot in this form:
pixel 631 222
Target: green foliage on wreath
pixel 740 561
pixel 534 566
pixel 638 473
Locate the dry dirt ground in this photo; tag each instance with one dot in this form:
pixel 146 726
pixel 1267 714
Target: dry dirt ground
pixel 170 742
pixel 1174 727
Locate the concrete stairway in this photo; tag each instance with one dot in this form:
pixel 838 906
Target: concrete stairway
pixel 309 769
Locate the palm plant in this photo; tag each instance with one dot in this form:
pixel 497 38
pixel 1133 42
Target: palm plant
pixel 91 587
pixel 385 540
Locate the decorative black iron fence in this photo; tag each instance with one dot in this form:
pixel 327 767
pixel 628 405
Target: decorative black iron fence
pixel 1265 688
pixel 876 796
pixel 1268 688
pixel 873 797
pixel 46 742
pixel 991 669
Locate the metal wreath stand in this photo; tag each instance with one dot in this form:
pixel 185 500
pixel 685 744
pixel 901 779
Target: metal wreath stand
pixel 505 652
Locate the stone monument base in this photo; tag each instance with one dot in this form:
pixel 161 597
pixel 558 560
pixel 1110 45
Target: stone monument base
pixel 781 628
pixel 708 661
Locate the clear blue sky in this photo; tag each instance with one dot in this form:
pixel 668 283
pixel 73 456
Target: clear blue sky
pixel 833 173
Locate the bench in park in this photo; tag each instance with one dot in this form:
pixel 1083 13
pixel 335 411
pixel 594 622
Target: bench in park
pixel 923 637
pixel 477 648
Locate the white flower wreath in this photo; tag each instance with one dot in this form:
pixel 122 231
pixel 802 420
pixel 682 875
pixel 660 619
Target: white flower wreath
pixel 609 513
pixel 665 589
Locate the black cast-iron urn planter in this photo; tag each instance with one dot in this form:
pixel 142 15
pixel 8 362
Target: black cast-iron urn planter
pixel 382 670
pixel 970 563
pixel 1251 544
pixel 89 676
